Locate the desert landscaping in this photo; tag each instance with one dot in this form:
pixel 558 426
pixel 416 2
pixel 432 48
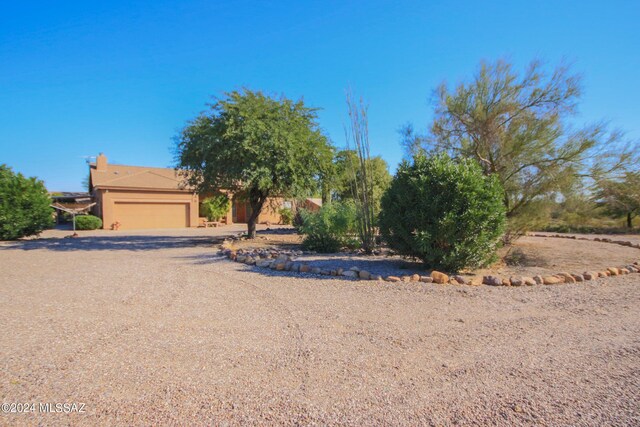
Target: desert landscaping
pixel 154 327
pixel 320 214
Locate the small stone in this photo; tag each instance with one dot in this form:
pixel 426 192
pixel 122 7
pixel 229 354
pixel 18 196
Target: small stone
pixel 405 278
pixel 453 281
pixel 364 275
pixel 460 279
pixel 288 265
pixel 241 258
pixel 393 279
pixel 415 277
pixel 551 280
pixel 539 279
pixel 624 271
pixel 295 267
pixel 426 279
pixel 566 277
pixel 356 269
pixel 528 281
pixel 614 271
pixel 516 281
pixel 305 268
pixel 280 266
pixel 263 263
pixel 376 277
pixel 316 270
pixel 578 277
pixel 439 277
pixel 589 275
pixel 506 282
pixel 475 281
pixel 492 280
pixel 325 272
pixel 350 273
pixel 250 261
pixel 339 271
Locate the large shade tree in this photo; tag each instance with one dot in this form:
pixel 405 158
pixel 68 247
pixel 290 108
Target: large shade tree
pixel 256 146
pixel 516 126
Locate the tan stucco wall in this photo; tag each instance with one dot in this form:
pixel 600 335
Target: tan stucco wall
pixel 269 214
pixel 107 198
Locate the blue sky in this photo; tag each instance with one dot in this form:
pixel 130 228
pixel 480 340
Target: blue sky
pixel 122 77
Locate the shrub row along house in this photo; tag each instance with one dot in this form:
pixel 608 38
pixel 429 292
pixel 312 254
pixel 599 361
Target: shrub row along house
pixel 135 197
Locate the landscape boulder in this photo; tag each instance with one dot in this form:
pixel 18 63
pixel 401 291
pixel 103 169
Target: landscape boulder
pixel 460 279
pixel 516 281
pixel 364 275
pixel 305 268
pixel 439 277
pixel 551 280
pixel 492 280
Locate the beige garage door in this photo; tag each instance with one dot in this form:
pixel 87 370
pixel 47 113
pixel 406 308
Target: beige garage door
pixel 151 215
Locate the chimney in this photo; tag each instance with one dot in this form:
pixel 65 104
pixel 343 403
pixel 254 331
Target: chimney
pixel 101 162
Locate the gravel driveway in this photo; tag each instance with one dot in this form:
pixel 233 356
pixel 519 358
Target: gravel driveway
pixel 154 329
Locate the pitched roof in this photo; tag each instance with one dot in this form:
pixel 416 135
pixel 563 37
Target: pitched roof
pixel 121 176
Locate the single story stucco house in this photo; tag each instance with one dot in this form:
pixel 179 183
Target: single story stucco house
pixel 147 197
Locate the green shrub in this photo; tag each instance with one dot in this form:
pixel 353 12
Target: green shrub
pixel 88 222
pixel 286 216
pixel 329 229
pixel 24 205
pixel 215 207
pixel 445 212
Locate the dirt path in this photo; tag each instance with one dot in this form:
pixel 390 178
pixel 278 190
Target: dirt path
pixel 155 329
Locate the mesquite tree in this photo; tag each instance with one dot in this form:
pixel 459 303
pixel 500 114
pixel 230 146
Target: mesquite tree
pixel 621 197
pixel 256 147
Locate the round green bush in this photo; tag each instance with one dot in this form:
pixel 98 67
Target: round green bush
pixel 445 212
pixel 24 205
pixel 88 222
pixel 329 229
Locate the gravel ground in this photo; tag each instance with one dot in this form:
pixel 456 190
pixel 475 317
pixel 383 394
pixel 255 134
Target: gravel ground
pixel 154 329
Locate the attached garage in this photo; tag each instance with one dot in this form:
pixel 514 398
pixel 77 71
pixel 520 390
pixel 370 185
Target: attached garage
pixel 151 215
pixel 137 197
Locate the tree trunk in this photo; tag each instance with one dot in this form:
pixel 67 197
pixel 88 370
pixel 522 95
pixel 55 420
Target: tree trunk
pixel 251 227
pixel 629 218
pixel 326 194
pixel 256 200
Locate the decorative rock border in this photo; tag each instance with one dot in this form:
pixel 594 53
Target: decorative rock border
pixel 286 261
pixel 595 239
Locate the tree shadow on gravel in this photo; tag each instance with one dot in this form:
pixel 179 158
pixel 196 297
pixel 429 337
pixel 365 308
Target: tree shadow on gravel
pixel 116 243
